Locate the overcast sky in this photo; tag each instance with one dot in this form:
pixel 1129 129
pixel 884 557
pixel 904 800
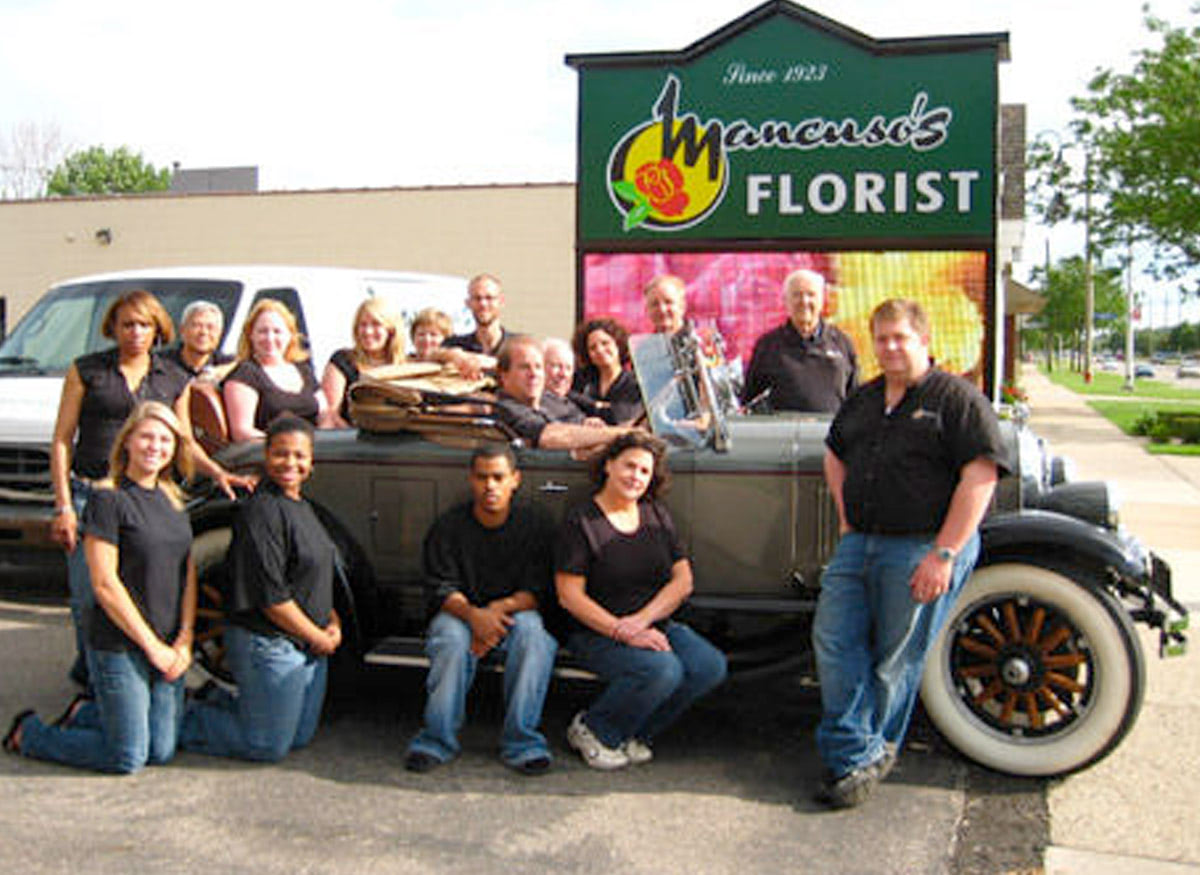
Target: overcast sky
pixel 368 93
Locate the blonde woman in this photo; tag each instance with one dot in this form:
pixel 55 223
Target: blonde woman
pixel 273 375
pixel 138 545
pixel 378 342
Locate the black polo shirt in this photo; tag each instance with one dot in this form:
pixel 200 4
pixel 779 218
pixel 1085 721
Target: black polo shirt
pixel 902 467
pixel 107 403
pixel 803 373
pixel 529 422
pixel 470 342
pixel 216 359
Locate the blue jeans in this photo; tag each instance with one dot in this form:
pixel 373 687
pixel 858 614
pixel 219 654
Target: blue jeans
pixel 647 690
pixel 133 721
pixel 870 639
pixel 79 583
pixel 281 689
pixel 528 653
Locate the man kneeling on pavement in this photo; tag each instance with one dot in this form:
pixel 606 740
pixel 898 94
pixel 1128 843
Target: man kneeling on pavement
pixel 489 565
pixel 911 462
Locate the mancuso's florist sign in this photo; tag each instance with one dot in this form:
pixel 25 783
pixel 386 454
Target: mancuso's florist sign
pixel 786 125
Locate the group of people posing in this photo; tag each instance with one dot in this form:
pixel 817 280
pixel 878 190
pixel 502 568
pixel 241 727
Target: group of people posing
pixel 912 459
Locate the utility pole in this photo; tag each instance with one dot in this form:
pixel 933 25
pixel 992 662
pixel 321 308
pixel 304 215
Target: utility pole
pixel 1129 308
pixel 1089 309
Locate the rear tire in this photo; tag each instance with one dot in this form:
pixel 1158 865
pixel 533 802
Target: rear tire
pixel 1036 672
pixel 209 551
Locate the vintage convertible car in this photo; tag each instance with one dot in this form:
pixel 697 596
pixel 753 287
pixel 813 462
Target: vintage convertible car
pixel 1038 672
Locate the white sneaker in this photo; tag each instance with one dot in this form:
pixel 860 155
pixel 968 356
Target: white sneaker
pixel 594 753
pixel 637 751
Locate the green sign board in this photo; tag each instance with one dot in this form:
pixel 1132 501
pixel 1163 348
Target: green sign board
pixel 785 125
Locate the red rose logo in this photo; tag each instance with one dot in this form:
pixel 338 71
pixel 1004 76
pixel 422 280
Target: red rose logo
pixel 662 182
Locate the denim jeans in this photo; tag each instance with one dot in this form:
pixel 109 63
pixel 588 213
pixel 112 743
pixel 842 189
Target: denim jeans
pixel 133 721
pixel 281 689
pixel 870 639
pixel 647 690
pixel 79 583
pixel 528 653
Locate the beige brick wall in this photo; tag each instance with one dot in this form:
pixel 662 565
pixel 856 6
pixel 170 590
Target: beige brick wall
pixel 523 234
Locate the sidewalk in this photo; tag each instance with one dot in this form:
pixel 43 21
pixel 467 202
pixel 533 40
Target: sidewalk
pixel 1136 811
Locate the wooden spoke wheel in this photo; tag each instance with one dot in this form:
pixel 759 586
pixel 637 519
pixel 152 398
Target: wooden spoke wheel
pixel 1037 671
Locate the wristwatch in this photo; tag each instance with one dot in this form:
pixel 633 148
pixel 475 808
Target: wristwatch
pixel 945 554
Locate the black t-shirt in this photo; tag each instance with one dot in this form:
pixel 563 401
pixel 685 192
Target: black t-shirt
pixel 344 361
pixel 174 354
pixel 623 401
pixel 470 342
pixel 273 400
pixel 623 571
pixel 107 403
pixel 809 374
pixel 280 552
pixel 529 422
pixel 463 555
pixel 153 541
pixel 902 467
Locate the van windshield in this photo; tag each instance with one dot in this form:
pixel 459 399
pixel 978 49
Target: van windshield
pixel 65 323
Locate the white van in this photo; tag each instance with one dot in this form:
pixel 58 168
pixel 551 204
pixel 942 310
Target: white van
pixel 65 323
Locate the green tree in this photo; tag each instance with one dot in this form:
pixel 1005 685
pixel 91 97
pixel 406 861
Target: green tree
pixel 99 171
pixel 1061 321
pixel 1142 131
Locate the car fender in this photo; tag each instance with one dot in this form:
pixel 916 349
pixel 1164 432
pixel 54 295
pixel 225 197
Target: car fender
pixel 1047 534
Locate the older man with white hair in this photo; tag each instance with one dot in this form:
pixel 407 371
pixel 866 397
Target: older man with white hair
pixel 200 329
pixel 805 364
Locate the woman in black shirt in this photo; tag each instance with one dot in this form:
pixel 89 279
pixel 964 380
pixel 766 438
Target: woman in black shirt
pixel 273 375
pixel 138 544
pixel 378 342
pixel 604 377
pixel 281 624
pixel 99 392
pixel 621 575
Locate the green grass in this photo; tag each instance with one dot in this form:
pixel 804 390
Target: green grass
pixel 1123 414
pixel 1105 383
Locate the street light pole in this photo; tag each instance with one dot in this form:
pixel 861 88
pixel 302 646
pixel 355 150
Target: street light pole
pixel 1089 285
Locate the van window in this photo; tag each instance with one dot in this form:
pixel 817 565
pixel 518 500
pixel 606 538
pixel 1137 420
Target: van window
pixel 66 323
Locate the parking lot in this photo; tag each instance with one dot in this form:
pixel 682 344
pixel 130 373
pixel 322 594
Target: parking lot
pixel 727 792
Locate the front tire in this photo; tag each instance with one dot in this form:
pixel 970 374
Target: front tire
pixel 1034 673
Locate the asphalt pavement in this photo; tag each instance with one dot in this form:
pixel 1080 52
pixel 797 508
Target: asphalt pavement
pixel 1135 811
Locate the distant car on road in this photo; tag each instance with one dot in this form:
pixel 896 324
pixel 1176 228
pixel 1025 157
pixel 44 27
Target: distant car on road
pixel 1141 369
pixel 1188 369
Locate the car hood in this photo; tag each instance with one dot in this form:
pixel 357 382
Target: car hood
pixel 28 408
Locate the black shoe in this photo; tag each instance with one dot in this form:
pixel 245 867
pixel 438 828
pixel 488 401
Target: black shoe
pixel 534 766
pixel 850 790
pixel 67 717
pixel 420 762
pixel 11 745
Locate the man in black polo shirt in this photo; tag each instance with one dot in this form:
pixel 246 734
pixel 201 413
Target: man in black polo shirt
pixel 488 564
pixel 485 300
pixel 806 364
pixel 912 460
pixel 563 426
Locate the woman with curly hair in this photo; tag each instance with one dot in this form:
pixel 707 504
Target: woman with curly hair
pixel 621 574
pixel 604 376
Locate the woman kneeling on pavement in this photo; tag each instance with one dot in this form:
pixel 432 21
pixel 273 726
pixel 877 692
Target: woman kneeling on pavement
pixel 621 575
pixel 281 625
pixel 138 547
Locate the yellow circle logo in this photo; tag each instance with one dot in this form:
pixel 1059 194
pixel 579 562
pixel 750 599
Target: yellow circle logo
pixel 665 192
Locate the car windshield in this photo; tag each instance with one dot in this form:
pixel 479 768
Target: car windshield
pixel 688 387
pixel 66 323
